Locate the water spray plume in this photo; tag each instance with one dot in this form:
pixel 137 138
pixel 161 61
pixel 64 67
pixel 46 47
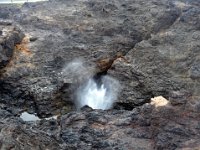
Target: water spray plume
pixel 97 95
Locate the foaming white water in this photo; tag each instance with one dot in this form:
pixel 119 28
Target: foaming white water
pixel 98 96
pixel 94 96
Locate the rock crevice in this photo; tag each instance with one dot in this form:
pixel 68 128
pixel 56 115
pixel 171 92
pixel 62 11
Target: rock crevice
pixel 151 47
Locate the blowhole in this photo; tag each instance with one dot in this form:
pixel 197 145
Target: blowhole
pixel 98 92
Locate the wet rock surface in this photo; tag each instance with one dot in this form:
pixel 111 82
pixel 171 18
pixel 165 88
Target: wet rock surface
pixel 151 47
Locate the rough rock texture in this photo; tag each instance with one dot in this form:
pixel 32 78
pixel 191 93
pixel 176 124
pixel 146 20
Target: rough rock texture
pixel 9 37
pixel 151 47
pixel 158 125
pixel 166 63
pixel 17 135
pixel 99 32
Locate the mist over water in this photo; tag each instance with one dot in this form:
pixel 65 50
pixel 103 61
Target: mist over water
pixel 98 93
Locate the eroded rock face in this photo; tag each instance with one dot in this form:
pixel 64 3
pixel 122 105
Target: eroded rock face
pixel 166 63
pixel 95 31
pixel 99 32
pixel 9 37
pixel 16 134
pixel 158 125
pixel 151 47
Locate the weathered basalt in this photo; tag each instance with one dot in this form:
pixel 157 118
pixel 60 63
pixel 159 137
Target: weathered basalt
pixel 163 64
pixel 17 134
pixel 99 32
pixel 158 125
pixel 9 37
pixel 151 47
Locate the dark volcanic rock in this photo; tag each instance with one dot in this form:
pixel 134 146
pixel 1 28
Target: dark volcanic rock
pixel 16 134
pixel 158 125
pixel 151 47
pixel 7 11
pixel 9 37
pixel 97 31
pixel 165 63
